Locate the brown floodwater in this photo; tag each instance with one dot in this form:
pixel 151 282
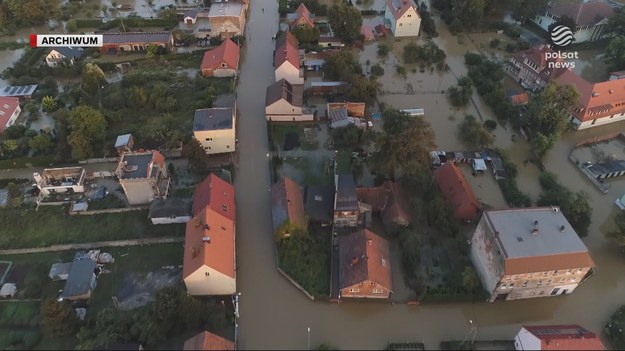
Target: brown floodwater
pixel 274 315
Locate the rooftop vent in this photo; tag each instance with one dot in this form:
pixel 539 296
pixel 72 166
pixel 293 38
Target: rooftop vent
pixel 595 94
pixel 206 239
pixel 369 241
pixel 555 209
pixel 206 227
pixel 611 91
pixel 519 239
pixel 562 227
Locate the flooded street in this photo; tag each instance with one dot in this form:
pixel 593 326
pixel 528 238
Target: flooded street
pixel 275 315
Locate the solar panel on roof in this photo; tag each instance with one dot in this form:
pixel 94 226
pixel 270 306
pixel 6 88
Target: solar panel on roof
pixel 13 89
pixel 6 90
pixel 20 90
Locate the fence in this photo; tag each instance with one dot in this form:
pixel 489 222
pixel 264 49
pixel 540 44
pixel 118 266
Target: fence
pixel 108 210
pixel 99 160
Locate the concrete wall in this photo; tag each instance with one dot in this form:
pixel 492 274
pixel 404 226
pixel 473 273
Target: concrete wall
pixel 540 284
pixel 486 255
pixel 220 72
pixel 171 220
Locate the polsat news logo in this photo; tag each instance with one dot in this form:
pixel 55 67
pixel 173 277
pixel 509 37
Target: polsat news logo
pixel 66 40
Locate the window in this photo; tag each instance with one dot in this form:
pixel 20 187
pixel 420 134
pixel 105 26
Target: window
pixel 542 292
pixel 371 283
pixel 224 207
pixel 227 146
pixel 207 274
pixel 525 284
pixel 352 290
pixel 409 15
pixel 555 272
pixel 383 263
pixel 515 277
pixel 377 291
pixel 400 24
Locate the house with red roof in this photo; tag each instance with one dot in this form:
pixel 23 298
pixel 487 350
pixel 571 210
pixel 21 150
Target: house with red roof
pixel 286 61
pixel 557 337
pixel 208 341
pixel 9 111
pixel 532 68
pixel 590 16
pixel 364 266
pixel 287 208
pixel 209 248
pixel 222 61
pixel 390 201
pixel 301 18
pixel 598 103
pixel 402 18
pixel 457 192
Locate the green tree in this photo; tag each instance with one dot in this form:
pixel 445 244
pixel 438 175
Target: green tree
pixel 574 206
pixel 92 78
pixel 347 138
pixel 169 14
pixel 88 129
pixel 41 143
pixel 406 143
pixel 616 23
pixel 615 53
pixel 59 317
pixel 469 279
pixel 306 34
pixel 547 115
pixel 198 160
pixel 345 21
pixel 341 66
pixel 152 51
pixel 15 191
pixel 363 89
pixel 473 133
pixel 618 235
pixel 71 26
pixel 48 104
pixel 9 145
pixel 469 13
pixel 377 70
pixel 527 9
pixel 383 50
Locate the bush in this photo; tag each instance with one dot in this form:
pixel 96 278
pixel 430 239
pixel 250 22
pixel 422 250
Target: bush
pixel 377 70
pixel 512 32
pixel 383 50
pixel 494 43
pixel 511 48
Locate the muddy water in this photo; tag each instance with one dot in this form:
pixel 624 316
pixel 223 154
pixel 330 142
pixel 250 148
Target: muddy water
pixel 274 315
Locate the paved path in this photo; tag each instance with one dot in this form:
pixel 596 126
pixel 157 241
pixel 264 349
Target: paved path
pixel 98 244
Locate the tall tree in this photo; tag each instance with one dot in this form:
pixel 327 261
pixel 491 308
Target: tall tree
pixel 341 66
pixel 468 12
pixel 474 134
pixel 59 317
pixel 345 21
pixel 406 143
pixel 527 9
pixel 618 235
pixel 615 53
pixel 88 129
pixel 616 23
pixel 547 115
pixel 92 78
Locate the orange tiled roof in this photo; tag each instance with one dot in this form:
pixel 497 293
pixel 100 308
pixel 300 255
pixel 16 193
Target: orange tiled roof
pixel 288 203
pixel 565 337
pixel 303 16
pixel 208 341
pixel 287 52
pixel 364 256
pixel 595 100
pixel 227 52
pixel 217 194
pixel 456 191
pixel 209 241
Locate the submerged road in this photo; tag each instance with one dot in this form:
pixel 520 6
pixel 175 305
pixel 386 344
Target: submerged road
pixel 275 315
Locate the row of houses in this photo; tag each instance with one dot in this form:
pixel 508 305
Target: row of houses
pixel 598 103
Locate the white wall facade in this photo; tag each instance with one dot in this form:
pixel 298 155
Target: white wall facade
pixel 289 72
pixel 524 340
pixel 170 220
pixel 597 122
pixel 208 281
pixel 217 141
pixel 408 24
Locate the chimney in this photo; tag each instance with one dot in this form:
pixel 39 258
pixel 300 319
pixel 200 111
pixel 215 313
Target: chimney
pixel 206 227
pixel 206 239
pixel 535 230
pixel 369 241
pixel 210 115
pixel 354 260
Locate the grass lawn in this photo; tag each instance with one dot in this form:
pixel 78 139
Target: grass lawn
pixel 19 313
pixel 50 225
pixel 278 132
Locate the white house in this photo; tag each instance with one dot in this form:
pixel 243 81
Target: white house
pixel 402 17
pixel 9 110
pixel 287 65
pixel 214 128
pixel 61 180
pixel 284 103
pixel 57 56
pixel 590 16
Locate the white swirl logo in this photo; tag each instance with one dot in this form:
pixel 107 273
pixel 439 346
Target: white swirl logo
pixel 561 35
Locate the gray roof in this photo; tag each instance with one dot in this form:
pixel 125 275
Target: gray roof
pixel 70 52
pixel 123 140
pixel 4 197
pixel 58 269
pixel 18 90
pixel 225 8
pixel 171 207
pixel 282 89
pixel 136 165
pixel 607 167
pixel 136 37
pixel 337 115
pixel 191 13
pixel 515 227
pixel 318 202
pixel 346 197
pixel 79 279
pixel 213 119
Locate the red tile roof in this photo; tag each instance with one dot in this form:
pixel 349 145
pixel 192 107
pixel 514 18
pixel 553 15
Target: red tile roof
pixel 288 203
pixel 519 99
pixel 399 7
pixel 389 199
pixel 209 241
pixel 287 52
pixel 584 13
pixel 456 191
pixel 595 100
pixel 217 194
pixel 536 55
pixel 208 341
pixel 367 32
pixel 565 337
pixel 364 256
pixel 227 52
pixel 303 17
pixel 8 105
